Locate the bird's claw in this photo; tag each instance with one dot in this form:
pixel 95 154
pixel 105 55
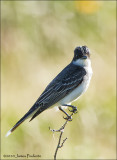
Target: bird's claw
pixel 73 110
pixel 68 118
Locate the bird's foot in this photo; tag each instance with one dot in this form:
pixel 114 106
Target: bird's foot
pixel 73 110
pixel 68 118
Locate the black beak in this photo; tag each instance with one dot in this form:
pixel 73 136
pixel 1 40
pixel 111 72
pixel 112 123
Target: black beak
pixel 84 57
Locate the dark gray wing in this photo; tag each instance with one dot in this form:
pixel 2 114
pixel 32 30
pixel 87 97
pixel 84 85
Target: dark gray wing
pixel 63 84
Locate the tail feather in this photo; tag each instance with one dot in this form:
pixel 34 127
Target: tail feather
pixel 27 115
pixel 14 127
pixel 37 113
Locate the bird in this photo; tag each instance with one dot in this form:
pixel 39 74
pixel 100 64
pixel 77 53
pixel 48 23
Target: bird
pixel 65 88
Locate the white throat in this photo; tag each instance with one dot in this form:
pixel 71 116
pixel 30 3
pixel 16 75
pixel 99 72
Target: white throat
pixel 83 62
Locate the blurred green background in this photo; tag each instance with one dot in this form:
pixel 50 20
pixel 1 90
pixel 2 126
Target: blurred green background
pixel 38 39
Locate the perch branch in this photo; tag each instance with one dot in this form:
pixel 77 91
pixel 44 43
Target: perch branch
pixel 61 130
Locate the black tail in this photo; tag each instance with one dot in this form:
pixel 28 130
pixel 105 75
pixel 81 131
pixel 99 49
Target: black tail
pixel 27 115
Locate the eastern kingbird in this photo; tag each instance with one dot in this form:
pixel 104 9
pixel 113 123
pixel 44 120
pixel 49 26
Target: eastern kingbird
pixel 66 87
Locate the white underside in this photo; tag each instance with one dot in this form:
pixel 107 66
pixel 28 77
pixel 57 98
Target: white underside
pixel 75 94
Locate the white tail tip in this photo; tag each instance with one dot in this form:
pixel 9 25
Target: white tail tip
pixel 8 133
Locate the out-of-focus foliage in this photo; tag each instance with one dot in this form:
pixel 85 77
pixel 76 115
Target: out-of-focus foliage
pixel 38 39
pixel 88 7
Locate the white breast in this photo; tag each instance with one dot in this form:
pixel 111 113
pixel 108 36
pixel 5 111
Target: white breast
pixel 74 95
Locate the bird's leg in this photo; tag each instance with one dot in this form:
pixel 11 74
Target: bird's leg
pixel 69 118
pixel 74 109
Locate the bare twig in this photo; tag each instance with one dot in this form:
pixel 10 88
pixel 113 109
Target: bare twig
pixel 63 142
pixel 61 130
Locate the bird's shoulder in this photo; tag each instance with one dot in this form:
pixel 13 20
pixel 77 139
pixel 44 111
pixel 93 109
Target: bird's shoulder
pixel 70 71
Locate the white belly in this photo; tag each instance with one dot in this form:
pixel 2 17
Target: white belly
pixel 75 94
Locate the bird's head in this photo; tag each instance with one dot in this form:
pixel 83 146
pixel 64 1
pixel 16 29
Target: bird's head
pixel 81 55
